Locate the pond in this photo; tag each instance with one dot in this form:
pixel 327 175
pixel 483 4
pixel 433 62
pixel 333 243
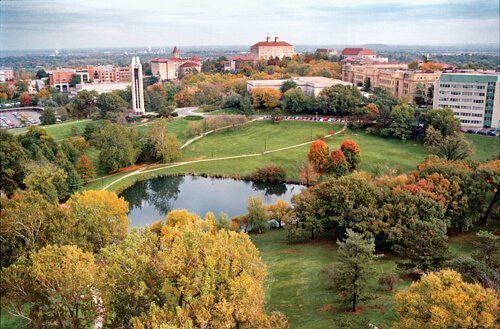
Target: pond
pixel 151 199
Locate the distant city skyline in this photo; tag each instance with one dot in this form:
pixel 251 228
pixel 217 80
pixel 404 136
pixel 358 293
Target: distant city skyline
pixel 57 24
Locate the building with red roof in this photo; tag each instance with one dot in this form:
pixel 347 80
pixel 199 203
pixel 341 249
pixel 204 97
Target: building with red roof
pixel 358 53
pixel 175 67
pixel 272 49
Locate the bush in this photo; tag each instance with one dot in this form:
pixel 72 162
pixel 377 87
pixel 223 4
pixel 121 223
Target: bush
pixel 388 280
pixel 269 174
pixel 209 108
pixel 194 117
pixel 194 128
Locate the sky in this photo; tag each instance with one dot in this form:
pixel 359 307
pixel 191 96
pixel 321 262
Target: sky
pixel 59 24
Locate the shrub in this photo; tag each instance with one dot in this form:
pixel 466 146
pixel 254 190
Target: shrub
pixel 269 174
pixel 194 117
pixel 388 280
pixel 194 128
pixel 209 108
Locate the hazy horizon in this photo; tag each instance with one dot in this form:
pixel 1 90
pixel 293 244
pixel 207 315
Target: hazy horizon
pixel 33 25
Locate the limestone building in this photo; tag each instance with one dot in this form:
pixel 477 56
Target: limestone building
pixel 175 67
pixel 310 85
pixel 474 97
pixel 267 49
pixel 137 87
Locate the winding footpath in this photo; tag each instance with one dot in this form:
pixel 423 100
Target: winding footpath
pixel 145 170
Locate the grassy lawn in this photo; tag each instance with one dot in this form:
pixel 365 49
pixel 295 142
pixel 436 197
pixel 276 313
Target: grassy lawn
pixel 485 147
pixel 297 287
pixel 59 131
pixel 176 126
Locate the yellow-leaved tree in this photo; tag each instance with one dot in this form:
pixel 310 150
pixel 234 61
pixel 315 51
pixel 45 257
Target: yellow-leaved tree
pixel 442 300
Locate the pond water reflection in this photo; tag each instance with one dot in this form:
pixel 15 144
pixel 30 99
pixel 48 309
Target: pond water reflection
pixel 151 199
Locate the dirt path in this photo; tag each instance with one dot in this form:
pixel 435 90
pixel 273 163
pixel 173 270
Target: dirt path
pixel 144 170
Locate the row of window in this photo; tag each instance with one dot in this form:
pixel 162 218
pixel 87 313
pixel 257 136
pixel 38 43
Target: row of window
pixel 468 114
pixel 470 121
pixel 465 100
pixel 463 93
pixel 444 85
pixel 463 107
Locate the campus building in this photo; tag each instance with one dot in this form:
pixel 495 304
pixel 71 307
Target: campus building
pixel 326 52
pixel 395 77
pixel 271 49
pixel 310 85
pixel 474 97
pixel 362 54
pixel 61 78
pixel 6 74
pixel 235 63
pixel 175 67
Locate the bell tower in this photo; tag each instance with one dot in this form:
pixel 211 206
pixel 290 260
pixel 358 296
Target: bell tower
pixel 137 87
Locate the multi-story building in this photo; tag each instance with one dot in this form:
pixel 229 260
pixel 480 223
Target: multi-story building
pixel 474 97
pixel 310 85
pixel 272 49
pixel 175 67
pixel 395 77
pixel 6 73
pixel 61 79
pixel 326 52
pixel 361 54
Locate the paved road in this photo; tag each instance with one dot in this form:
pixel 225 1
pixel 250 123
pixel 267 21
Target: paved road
pixel 185 111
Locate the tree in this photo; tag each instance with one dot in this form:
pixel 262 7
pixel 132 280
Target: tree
pixel 305 220
pixel 265 98
pixel 165 145
pixel 287 85
pixel 340 100
pixel 350 149
pixel 257 215
pixel 308 174
pixel 110 102
pixel 389 280
pixel 153 101
pixel 443 120
pixel 279 211
pixel 85 168
pixel 318 155
pixel 190 274
pixel 296 101
pixel 246 105
pixel 443 300
pixel 25 99
pixel 99 217
pixel 339 165
pixel 118 146
pixel 84 103
pixel 41 73
pixel 12 160
pixel 488 249
pixel 57 284
pixel 350 275
pixel 21 87
pixel 367 85
pixel 48 180
pixel 452 147
pixel 48 116
pixel 403 121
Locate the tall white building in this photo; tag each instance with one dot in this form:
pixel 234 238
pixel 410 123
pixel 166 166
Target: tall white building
pixel 474 97
pixel 137 87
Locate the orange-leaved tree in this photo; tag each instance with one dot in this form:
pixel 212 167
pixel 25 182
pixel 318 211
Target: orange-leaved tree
pixel 318 155
pixel 265 98
pixel 339 164
pixel 351 151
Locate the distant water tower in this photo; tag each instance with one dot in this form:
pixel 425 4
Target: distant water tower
pixel 137 87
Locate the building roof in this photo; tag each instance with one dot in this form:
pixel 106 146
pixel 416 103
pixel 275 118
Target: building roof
pixel 190 64
pixel 271 44
pixel 357 51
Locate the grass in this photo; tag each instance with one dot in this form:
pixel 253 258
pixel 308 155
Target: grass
pixel 297 287
pixel 485 147
pixel 59 131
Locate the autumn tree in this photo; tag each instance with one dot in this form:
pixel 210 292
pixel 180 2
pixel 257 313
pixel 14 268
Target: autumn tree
pixel 308 174
pixel 339 165
pixel 85 168
pixel 265 98
pixel 187 275
pixel 99 218
pixel 279 211
pixel 57 284
pixel 350 275
pixel 166 146
pixel 350 149
pixel 319 155
pixel 49 180
pixel 25 99
pixel 443 300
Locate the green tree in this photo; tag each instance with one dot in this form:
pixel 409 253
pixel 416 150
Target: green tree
pixel 110 102
pixel 12 160
pixel 287 85
pixel 48 116
pixel 118 146
pixel 48 180
pixel 84 103
pixel 246 105
pixel 41 73
pixel 403 121
pixel 21 87
pixel 257 215
pixel 166 146
pixel 453 147
pixel 443 120
pixel 340 100
pixel 350 275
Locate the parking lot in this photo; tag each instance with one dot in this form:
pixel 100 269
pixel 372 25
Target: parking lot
pixel 16 119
